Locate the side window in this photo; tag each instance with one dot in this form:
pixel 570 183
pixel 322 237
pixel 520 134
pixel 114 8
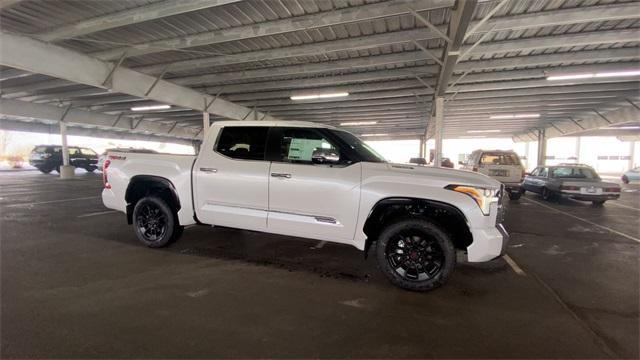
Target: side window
pixel 86 151
pixel 74 151
pixel 243 142
pixel 298 145
pixel 543 172
pixel 535 172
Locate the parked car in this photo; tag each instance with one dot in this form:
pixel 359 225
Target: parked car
pixel 502 165
pixel 418 161
pixel 47 158
pixel 447 163
pixel 318 182
pixel 578 182
pixel 103 156
pixel 631 175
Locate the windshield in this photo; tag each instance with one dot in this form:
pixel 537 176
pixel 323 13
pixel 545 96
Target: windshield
pixel 364 151
pixel 496 158
pixel 573 173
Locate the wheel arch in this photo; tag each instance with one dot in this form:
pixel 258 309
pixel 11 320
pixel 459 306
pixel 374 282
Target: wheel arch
pixel 449 217
pixel 145 185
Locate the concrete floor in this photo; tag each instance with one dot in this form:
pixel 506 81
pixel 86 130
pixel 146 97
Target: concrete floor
pixel 76 283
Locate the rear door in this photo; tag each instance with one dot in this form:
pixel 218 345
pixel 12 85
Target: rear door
pixel 312 200
pixel 231 180
pixel 502 166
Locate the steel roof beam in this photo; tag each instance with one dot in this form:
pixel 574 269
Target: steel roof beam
pixel 131 16
pixel 28 54
pixel 23 109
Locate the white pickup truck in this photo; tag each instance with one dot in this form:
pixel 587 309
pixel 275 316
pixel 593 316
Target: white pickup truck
pixel 317 182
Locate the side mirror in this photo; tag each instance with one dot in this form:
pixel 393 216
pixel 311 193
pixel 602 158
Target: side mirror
pixel 325 156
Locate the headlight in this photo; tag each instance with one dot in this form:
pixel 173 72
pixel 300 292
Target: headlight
pixel 484 197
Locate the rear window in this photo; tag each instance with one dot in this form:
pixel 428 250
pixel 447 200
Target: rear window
pixel 573 173
pixel 489 158
pixel 243 142
pixel 40 149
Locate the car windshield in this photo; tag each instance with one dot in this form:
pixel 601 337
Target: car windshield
pixel 573 173
pixel 364 151
pixel 499 158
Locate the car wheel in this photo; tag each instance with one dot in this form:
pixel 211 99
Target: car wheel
pixel 415 255
pixel 598 203
pixel 547 194
pixel 514 195
pixel 90 169
pixel 625 179
pixel 45 170
pixel 155 223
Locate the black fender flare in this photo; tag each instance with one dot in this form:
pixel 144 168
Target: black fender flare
pixel 152 182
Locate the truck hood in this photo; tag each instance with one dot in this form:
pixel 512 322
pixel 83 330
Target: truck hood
pixel 434 175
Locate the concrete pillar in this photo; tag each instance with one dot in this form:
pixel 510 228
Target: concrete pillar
pixel 422 147
pixel 439 127
pixel 527 149
pixel 542 147
pixel 66 171
pixel 205 123
pixel 632 153
pixel 577 151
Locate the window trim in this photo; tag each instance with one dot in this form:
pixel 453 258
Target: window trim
pixel 219 135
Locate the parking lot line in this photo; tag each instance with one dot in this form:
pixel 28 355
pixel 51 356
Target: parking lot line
pixel 54 201
pixel 97 213
pixel 624 206
pixel 585 220
pixel 517 269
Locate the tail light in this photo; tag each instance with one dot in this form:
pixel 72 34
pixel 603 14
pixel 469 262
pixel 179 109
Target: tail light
pixel 105 180
pixel 569 188
pixel 612 189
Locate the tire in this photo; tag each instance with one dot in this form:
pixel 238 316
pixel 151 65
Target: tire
pixel 429 262
pixel 90 169
pixel 625 179
pixel 598 203
pixel 513 196
pixel 57 169
pixel 547 194
pixel 45 170
pixel 155 223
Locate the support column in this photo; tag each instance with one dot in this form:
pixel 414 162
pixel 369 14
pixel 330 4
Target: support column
pixel 632 153
pixel 439 127
pixel 527 151
pixel 422 146
pixel 66 170
pixel 578 149
pixel 542 147
pixel 205 123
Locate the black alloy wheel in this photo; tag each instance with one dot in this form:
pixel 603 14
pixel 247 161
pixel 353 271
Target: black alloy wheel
pixel 151 222
pixel 415 254
pixel 155 223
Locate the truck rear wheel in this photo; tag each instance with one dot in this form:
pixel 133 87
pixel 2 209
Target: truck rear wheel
pixel 155 223
pixel 415 254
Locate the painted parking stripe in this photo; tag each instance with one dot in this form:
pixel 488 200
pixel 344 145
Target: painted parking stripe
pixel 621 205
pixel 517 269
pixel 54 201
pixel 585 220
pixel 97 213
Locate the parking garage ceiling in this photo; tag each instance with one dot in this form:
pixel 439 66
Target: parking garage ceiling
pixel 504 67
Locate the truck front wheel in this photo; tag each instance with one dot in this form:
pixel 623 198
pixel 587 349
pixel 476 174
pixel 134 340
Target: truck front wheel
pixel 155 223
pixel 415 254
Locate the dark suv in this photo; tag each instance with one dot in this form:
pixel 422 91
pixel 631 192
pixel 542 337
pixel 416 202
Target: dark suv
pixel 49 157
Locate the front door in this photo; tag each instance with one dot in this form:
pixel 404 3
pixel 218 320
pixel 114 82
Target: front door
pixel 307 199
pixel 231 180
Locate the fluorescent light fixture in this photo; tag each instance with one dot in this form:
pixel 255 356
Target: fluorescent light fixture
pixel 368 135
pixel 319 96
pixel 472 137
pixel 515 116
pixel 358 123
pixel 151 107
pixel 624 128
pixel 483 131
pixel 594 75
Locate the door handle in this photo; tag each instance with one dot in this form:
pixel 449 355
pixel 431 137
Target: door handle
pixel 209 170
pixel 280 175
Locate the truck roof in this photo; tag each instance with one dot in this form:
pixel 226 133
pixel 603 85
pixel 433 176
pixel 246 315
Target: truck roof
pixel 286 123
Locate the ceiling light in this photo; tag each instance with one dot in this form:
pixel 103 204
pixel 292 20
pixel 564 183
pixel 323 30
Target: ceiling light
pixel 358 123
pixel 594 75
pixel 319 96
pixel 625 128
pixel 483 131
pixel 515 116
pixel 367 135
pixel 472 137
pixel 151 107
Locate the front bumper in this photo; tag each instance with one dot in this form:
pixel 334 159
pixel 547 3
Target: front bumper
pixel 488 244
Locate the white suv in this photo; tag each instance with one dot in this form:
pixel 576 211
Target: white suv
pixel 502 165
pixel 318 182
